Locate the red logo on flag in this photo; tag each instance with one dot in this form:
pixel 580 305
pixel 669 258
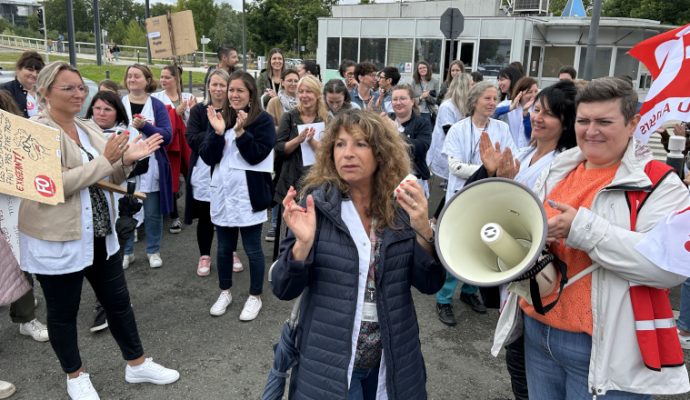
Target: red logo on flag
pixel 667 57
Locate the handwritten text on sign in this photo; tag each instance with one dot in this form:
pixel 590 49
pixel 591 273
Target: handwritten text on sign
pixel 30 165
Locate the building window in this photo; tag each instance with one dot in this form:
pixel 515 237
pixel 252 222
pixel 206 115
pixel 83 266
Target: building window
pixel 602 62
pixel 373 51
pixel 525 58
pixel 494 54
pixel 350 49
pixel 399 53
pixel 555 58
pixel 429 50
pixel 625 64
pixel 332 53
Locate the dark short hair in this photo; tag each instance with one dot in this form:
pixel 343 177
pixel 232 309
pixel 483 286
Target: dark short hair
pixel 224 51
pixel 288 72
pixel 364 68
pixel 477 76
pixel 345 65
pixel 229 114
pixel 568 69
pixel 610 88
pixel 313 68
pixel 114 101
pixel 560 98
pixel 393 74
pixel 151 86
pixel 30 59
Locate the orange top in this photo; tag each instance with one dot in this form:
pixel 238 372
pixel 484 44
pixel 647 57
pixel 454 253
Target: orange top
pixel 573 312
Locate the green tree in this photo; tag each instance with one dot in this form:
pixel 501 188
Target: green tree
pixel 675 12
pixel 160 9
pixel 557 6
pixel 113 11
pixel 56 15
pixel 227 29
pixel 135 34
pixel 118 33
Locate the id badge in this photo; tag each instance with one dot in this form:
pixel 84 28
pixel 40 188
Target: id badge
pixel 369 312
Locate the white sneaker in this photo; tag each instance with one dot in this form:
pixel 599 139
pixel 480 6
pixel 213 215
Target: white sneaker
pixel 251 308
pixel 221 304
pixel 150 372
pixel 237 263
pixel 155 260
pixel 6 389
pixel 127 260
pixel 35 329
pixel 80 388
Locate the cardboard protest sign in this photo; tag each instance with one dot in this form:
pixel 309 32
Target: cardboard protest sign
pixel 171 35
pixel 30 164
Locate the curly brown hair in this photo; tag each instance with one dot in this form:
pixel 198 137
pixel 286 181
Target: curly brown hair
pixel 391 153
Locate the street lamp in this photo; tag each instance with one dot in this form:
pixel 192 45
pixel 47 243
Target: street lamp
pixel 204 42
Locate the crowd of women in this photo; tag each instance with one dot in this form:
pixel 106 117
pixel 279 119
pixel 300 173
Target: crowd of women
pixel 318 164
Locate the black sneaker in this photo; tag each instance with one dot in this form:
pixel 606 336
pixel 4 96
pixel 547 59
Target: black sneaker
pixel 100 322
pixel 175 226
pixel 445 314
pixel 474 301
pixel 271 234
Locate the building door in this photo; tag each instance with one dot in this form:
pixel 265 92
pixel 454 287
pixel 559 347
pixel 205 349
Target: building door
pixel 463 50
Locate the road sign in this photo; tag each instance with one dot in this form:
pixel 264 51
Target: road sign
pixel 452 23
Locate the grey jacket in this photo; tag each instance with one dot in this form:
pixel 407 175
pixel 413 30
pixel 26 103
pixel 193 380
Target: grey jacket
pixel 328 311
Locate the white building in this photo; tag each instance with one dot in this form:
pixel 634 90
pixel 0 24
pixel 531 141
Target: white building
pixel 400 34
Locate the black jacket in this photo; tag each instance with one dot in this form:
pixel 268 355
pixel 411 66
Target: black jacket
pixel 18 94
pixel 254 145
pixel 291 165
pixel 327 312
pixel 418 134
pixel 197 128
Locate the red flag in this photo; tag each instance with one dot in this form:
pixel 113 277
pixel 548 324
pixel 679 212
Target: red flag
pixel 667 57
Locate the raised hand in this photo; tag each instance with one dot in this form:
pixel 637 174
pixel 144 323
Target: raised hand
pixel 489 153
pixel 216 120
pixel 302 222
pixel 508 167
pixel 139 149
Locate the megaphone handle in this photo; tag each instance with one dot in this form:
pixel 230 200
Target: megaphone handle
pixel 534 289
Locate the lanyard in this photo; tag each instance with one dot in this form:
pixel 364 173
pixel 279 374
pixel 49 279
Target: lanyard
pixel 475 145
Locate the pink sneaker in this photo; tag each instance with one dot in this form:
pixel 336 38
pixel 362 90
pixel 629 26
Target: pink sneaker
pixel 204 267
pixel 236 263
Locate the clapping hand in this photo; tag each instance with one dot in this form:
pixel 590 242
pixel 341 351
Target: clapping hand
pixel 489 153
pixel 239 123
pixel 508 167
pixel 216 120
pixel 139 149
pixel 559 225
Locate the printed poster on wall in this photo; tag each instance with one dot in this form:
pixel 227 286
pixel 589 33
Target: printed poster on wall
pixel 30 165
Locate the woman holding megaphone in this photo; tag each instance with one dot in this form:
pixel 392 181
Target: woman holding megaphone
pixel 597 340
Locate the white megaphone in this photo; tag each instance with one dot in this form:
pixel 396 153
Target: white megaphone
pixel 492 232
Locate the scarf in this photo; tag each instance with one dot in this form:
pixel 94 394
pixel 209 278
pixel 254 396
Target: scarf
pixel 288 102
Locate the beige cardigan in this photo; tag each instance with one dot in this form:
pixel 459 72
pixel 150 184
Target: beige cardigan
pixel 62 222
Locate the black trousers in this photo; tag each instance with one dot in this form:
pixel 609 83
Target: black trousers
pixel 63 294
pixel 22 310
pixel 515 361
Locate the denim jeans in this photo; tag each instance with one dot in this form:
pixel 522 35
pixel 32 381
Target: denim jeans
pixel 251 242
pixel 63 294
pixel 557 364
pixel 445 295
pixel 363 384
pixel 683 322
pixel 153 225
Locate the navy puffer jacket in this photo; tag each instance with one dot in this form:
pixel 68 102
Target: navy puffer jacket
pixel 328 311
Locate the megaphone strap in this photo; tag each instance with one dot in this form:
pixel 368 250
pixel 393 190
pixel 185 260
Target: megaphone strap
pixel 543 261
pixel 534 289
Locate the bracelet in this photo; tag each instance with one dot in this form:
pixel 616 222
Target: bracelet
pixel 429 240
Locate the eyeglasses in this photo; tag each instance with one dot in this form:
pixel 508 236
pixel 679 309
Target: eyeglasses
pixel 73 89
pixel 291 81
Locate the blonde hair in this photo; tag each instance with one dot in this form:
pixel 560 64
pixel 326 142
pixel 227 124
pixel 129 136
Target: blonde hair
pixel 391 153
pixel 312 84
pixel 48 75
pixel 458 91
